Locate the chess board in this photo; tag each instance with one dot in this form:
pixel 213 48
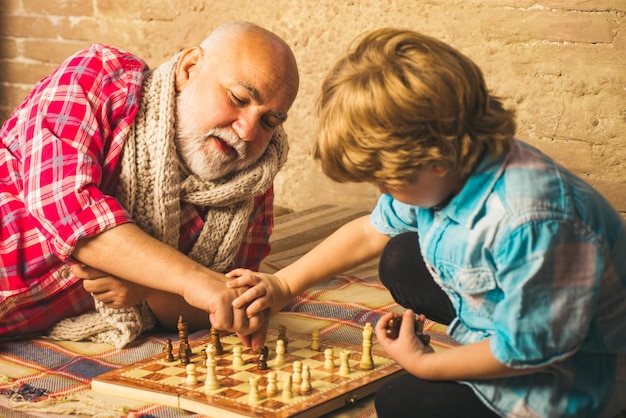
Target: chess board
pixel 158 381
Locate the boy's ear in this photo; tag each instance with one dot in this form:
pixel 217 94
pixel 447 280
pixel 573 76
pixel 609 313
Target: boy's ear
pixel 439 170
pixel 188 63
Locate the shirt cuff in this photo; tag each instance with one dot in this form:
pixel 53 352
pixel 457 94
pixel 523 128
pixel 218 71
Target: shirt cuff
pixel 98 217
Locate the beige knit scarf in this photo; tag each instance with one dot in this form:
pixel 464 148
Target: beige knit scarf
pixel 153 182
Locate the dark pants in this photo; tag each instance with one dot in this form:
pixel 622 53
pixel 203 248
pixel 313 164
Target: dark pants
pixel 403 272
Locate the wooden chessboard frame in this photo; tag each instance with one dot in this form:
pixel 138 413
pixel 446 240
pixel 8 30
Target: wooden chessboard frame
pixel 325 397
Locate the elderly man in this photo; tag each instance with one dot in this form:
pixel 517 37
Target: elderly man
pixel 146 184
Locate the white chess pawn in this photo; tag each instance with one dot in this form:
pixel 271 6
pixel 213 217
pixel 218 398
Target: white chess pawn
pixel 315 340
pixel 296 377
pixel 280 353
pixel 344 367
pixel 329 363
pixel 254 389
pixel 287 394
pixel 271 388
pixel 237 359
pixel 192 375
pixel 305 386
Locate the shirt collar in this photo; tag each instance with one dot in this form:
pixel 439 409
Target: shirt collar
pixel 466 205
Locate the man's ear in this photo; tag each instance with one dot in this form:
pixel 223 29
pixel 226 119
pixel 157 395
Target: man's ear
pixel 188 63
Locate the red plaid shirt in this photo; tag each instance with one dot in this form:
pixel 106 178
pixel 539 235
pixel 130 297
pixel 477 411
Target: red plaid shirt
pixel 59 166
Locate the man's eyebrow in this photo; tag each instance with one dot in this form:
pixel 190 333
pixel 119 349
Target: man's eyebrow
pixel 251 90
pixel 254 93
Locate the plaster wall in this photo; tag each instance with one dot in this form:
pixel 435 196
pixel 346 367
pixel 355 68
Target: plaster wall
pixel 561 63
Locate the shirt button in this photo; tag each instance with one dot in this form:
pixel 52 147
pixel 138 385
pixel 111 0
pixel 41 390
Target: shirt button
pixel 65 273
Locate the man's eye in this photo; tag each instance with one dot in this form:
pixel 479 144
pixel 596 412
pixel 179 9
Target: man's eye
pixel 237 100
pixel 267 124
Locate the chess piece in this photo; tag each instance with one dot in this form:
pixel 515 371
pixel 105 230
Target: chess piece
pixel 367 362
pixel 169 357
pixel 305 385
pixel 296 376
pixel 262 360
pixel 210 351
pixel 315 340
pixel 393 328
pixel 329 362
pixel 183 329
pixel 254 389
pixel 215 340
pixel 184 350
pixel 419 330
pixel 192 374
pixel 282 335
pixel 287 393
pixel 344 366
pixel 280 353
pixel 271 388
pixel 211 382
pixel 203 354
pixel 237 359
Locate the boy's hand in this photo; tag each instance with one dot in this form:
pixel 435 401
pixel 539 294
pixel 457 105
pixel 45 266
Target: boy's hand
pixel 211 294
pixel 264 291
pixel 407 347
pixel 113 292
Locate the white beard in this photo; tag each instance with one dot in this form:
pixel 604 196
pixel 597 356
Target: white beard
pixel 195 147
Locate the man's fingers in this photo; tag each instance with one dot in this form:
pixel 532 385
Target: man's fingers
pixel 85 272
pixel 258 337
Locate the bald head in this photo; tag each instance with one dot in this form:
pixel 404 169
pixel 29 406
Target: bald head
pixel 241 37
pixel 234 91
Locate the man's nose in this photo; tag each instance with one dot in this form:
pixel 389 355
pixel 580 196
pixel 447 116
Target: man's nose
pixel 246 126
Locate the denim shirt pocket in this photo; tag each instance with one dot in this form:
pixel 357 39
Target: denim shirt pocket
pixel 474 281
pixel 470 286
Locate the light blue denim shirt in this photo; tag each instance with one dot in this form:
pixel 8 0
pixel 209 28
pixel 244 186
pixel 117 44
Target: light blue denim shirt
pixel 535 259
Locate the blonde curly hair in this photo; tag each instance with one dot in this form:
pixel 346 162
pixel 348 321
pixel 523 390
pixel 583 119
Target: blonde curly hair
pixel 401 101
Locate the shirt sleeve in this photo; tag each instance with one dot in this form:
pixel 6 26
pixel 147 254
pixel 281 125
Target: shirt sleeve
pixel 78 119
pixel 391 217
pixel 549 275
pixel 256 241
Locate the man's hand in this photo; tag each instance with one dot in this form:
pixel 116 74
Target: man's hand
pixel 256 340
pixel 210 294
pixel 262 291
pixel 112 291
pixel 174 283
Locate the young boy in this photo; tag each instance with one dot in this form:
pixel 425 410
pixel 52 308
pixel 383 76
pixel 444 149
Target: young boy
pixel 523 260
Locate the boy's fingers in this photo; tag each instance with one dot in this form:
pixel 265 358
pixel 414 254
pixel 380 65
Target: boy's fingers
pixel 249 296
pixel 407 328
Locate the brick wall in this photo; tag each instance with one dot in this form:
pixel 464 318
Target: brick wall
pixel 562 63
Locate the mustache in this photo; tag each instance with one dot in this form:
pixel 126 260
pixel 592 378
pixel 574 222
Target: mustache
pixel 229 138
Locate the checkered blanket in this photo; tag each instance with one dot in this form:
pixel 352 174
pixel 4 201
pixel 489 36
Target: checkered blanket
pixel 41 375
pixel 56 376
